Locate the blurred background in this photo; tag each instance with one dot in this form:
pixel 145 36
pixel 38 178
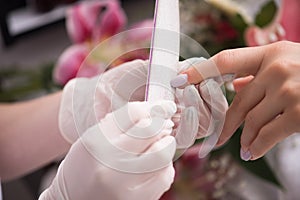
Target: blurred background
pixel 40 53
pixel 33 31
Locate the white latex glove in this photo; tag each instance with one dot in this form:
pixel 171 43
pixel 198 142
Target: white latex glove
pixel 86 101
pixel 128 155
pixel 209 100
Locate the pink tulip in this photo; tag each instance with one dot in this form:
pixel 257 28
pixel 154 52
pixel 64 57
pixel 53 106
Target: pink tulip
pixel 94 20
pixel 136 41
pixel 111 22
pixel 69 63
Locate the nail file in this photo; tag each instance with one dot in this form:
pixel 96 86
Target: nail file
pixel 164 51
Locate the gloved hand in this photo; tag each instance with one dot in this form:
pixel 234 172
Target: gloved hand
pixel 128 156
pixel 86 101
pixel 209 100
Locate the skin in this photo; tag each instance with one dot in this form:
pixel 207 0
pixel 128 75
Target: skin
pixel 29 137
pixel 268 94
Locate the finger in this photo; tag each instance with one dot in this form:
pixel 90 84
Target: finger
pixel 213 96
pixel 191 97
pixel 159 155
pixel 127 116
pixel 141 136
pixel 216 102
pixel 188 128
pixel 263 113
pixel 126 82
pixel 240 83
pixel 186 64
pixel 241 62
pixel 181 81
pixel 271 134
pixel 243 102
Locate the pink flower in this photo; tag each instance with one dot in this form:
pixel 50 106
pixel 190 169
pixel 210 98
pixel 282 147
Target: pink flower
pixel 70 62
pixel 137 40
pixel 95 20
pixel 142 32
pixel 112 22
pixel 88 24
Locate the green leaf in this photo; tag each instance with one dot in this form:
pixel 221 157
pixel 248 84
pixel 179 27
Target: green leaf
pixel 266 15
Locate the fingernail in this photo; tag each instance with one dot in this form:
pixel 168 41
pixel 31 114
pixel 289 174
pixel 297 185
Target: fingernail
pixel 179 81
pixel 245 155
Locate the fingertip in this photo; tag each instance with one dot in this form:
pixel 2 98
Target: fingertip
pixel 257 151
pixel 220 143
pixel 245 155
pixel 223 138
pixel 180 81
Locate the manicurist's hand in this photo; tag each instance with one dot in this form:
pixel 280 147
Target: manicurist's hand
pixel 268 93
pixel 85 101
pixel 127 156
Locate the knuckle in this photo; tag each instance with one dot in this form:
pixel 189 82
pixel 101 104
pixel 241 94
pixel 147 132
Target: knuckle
pixel 289 92
pixel 225 56
pixel 280 46
pixel 280 68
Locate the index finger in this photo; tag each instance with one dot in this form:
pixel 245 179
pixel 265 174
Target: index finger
pixel 240 62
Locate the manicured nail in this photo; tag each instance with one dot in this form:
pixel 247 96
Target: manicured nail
pixel 180 81
pixel 245 155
